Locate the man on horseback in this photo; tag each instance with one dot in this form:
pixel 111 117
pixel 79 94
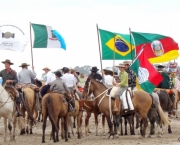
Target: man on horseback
pixel 58 86
pixel 49 79
pixel 131 75
pixel 123 85
pixel 165 83
pixel 9 76
pixel 95 75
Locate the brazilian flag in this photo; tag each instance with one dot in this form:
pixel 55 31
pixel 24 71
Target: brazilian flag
pixel 120 43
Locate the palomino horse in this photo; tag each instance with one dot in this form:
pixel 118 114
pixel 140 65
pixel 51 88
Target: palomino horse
pixel 142 102
pixel 28 104
pixel 8 112
pixel 54 105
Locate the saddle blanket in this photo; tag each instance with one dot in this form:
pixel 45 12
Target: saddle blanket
pixel 126 100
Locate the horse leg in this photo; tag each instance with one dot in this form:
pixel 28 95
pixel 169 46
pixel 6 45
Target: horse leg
pixel 121 122
pixel 70 126
pixel 5 128
pixel 31 124
pixel 143 127
pixel 62 128
pixel 88 115
pixel 23 126
pixel 74 123
pixel 57 134
pixel 79 124
pixel 10 128
pixel 44 127
pixel 103 125
pixel 169 129
pixel 125 123
pixel 65 127
pixel 14 126
pixel 110 125
pixel 132 129
pixel 27 128
pixel 96 123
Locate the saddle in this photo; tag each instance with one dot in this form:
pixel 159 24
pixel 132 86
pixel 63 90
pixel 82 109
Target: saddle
pixel 11 90
pixel 19 87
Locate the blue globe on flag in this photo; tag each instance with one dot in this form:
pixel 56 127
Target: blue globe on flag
pixel 121 45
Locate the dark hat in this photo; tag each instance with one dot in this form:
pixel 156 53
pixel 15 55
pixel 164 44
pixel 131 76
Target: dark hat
pixel 160 66
pixel 58 73
pixel 77 73
pixel 94 69
pixel 24 64
pixel 8 61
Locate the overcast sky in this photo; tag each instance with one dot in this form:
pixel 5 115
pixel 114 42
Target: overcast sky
pixel 76 21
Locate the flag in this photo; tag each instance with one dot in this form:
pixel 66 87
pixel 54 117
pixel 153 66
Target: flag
pixel 148 77
pixel 12 38
pixel 45 37
pixel 158 48
pixel 120 43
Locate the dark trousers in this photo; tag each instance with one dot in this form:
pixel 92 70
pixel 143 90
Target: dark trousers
pixel 45 89
pixel 19 99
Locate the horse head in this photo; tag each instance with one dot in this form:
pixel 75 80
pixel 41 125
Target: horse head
pixel 88 88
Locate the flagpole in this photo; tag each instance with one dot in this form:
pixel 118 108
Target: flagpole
pixel 130 44
pixel 114 56
pixel 99 45
pixel 31 47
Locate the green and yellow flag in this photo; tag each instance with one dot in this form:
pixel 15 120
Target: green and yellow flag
pixel 120 43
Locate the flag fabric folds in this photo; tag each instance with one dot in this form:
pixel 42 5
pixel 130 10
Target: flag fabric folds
pixel 148 77
pixel 45 37
pixel 120 43
pixel 158 48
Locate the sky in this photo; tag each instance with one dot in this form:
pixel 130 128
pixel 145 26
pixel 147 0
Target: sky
pixel 76 21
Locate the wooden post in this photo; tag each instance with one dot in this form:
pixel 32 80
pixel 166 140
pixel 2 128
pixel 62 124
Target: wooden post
pixel 31 47
pixel 99 45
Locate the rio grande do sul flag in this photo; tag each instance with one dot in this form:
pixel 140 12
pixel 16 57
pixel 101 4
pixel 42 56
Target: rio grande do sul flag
pixel 45 37
pixel 158 49
pixel 148 77
pixel 120 43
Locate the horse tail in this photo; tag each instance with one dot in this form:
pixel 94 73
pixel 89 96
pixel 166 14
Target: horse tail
pixel 164 119
pixel 26 105
pixel 51 113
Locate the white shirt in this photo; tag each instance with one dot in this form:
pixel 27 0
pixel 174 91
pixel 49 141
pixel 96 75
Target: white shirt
pixel 50 77
pixel 69 80
pixel 108 79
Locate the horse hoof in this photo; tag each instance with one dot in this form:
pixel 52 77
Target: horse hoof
pixel 158 136
pixel 111 137
pixel 66 140
pixel 97 135
pixel 43 141
pixel 125 134
pixel 31 133
pixel 141 137
pixel 78 137
pixel 169 131
pixel 149 136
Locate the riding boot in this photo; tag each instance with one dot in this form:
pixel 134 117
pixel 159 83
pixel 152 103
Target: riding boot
pixel 81 103
pixel 116 105
pixel 18 109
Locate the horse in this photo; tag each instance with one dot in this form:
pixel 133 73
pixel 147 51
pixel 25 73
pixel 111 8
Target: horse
pixel 55 106
pixel 91 107
pixel 166 102
pixel 28 104
pixel 8 112
pixel 142 102
pixel 78 114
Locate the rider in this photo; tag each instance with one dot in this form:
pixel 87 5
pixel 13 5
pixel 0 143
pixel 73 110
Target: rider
pixel 131 75
pixel 9 76
pixel 123 85
pixel 95 75
pixel 58 86
pixel 108 78
pixel 50 77
pixel 165 83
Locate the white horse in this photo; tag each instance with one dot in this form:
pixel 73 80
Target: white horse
pixel 8 112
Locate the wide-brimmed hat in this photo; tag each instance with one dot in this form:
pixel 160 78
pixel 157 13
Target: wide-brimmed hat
pixel 46 68
pixel 72 71
pixel 8 61
pixel 95 69
pixel 160 66
pixel 81 75
pixel 24 64
pixel 121 65
pixel 126 62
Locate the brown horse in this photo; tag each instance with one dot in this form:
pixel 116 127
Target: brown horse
pixel 142 102
pixel 28 104
pixel 91 107
pixel 54 105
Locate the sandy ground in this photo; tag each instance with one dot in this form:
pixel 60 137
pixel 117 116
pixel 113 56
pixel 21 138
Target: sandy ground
pixel 35 139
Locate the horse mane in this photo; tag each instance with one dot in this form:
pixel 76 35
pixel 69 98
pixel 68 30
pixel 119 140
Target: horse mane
pixel 99 82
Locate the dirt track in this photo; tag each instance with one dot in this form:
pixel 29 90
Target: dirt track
pixel 35 139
